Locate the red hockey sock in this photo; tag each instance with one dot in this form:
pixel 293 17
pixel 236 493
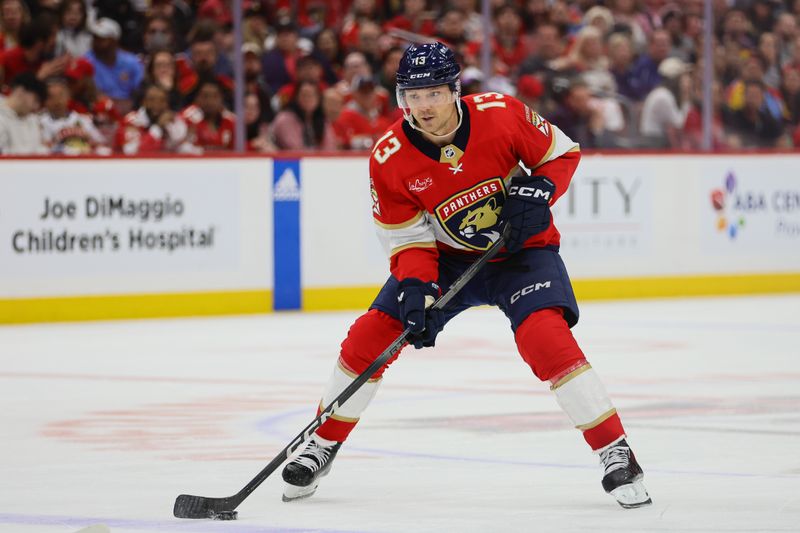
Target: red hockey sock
pixel 546 343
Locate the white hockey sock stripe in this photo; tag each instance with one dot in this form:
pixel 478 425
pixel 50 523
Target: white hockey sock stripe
pixel 351 410
pixel 583 397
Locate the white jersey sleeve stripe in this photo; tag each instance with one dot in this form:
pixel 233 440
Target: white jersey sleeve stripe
pixel 560 145
pixel 418 233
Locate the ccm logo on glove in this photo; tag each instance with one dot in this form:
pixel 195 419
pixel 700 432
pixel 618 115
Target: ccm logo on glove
pixel 527 209
pixel 531 192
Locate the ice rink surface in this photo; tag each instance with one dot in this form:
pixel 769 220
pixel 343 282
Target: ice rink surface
pixel 106 423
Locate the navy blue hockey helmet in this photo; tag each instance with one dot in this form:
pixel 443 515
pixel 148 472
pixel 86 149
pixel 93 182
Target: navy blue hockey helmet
pixel 427 65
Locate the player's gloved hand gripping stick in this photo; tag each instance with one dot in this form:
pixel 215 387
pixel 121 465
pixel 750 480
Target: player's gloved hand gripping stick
pixel 415 299
pixel 188 506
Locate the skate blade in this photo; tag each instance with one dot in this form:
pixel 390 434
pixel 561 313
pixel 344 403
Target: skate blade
pixel 632 495
pixel 292 492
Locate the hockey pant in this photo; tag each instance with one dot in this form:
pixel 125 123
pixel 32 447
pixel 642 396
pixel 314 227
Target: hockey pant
pixel 543 339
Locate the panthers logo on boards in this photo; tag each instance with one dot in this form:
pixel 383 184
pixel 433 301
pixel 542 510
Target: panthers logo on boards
pixel 471 217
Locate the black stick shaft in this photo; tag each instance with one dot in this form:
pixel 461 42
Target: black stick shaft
pixel 231 503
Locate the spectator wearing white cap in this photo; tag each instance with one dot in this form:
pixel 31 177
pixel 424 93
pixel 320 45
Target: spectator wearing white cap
pixel 117 73
pixel 665 108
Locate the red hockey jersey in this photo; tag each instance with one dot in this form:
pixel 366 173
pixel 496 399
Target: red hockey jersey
pixel 428 199
pixel 207 135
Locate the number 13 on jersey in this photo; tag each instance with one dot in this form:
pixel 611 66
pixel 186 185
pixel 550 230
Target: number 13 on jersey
pixel 382 151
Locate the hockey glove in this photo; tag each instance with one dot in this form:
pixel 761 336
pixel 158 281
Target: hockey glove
pixel 527 209
pixel 414 298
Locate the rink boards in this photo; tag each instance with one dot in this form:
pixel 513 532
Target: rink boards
pixel 122 238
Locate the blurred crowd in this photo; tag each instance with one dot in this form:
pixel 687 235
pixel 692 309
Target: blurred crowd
pixel 152 76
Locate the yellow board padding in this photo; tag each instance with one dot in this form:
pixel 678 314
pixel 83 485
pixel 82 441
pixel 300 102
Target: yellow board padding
pixel 339 298
pixel 684 286
pixel 349 298
pixel 78 308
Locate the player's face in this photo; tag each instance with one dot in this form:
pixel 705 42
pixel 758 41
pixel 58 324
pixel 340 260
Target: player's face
pixel 432 108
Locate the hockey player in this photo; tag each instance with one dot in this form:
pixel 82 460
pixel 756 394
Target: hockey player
pixel 442 189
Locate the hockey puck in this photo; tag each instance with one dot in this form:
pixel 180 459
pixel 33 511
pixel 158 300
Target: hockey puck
pixel 224 515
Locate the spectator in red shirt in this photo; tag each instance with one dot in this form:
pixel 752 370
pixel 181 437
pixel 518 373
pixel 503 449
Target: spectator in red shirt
pixel 211 126
pixel 217 10
pixel 308 69
pixel 369 44
pixel 153 128
pixel 361 121
pixel 360 10
pixel 509 47
pixel 13 15
pixel 414 18
pixel 201 63
pixel 79 75
pixel 37 41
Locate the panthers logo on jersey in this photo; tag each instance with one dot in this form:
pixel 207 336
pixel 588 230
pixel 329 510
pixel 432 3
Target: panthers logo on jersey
pixel 471 217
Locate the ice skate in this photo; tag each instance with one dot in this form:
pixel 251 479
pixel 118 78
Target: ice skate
pixel 623 476
pixel 303 473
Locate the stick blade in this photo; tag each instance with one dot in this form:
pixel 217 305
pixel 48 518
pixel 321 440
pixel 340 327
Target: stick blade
pixel 188 506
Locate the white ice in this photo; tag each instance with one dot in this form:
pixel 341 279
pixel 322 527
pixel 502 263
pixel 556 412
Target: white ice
pixel 106 423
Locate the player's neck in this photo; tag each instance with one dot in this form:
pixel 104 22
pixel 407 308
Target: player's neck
pixel 445 134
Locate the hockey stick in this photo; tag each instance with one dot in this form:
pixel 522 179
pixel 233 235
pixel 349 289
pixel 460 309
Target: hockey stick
pixel 187 506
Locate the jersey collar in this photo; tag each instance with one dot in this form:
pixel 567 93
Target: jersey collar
pixel 433 151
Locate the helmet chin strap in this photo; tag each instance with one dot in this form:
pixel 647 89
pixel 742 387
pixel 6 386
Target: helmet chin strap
pixel 411 120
